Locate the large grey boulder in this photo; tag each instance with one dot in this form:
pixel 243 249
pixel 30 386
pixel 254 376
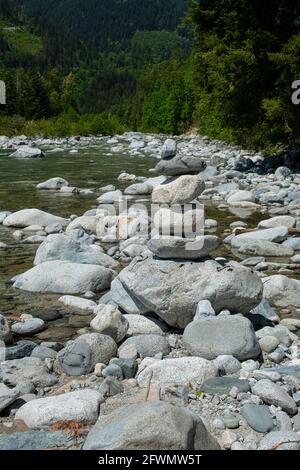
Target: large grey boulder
pixel 145 346
pixel 169 247
pixel 53 183
pixel 25 151
pixel 152 425
pixel 272 394
pixel 180 371
pixel 81 406
pixel 180 165
pixel 26 369
pixel 79 357
pixel 62 277
pixel 282 291
pixel 173 289
pixel 182 190
pixel 64 248
pixel 215 336
pixel 27 217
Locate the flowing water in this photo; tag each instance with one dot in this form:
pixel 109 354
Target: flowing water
pixel 92 167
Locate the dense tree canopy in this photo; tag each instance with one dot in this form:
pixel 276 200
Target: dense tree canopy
pixel 224 66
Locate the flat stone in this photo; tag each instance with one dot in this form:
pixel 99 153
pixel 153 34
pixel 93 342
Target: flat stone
pixel 60 247
pixel 140 325
pixel 279 221
pixel 169 247
pixel 180 165
pixel 275 235
pixel 27 217
pixel 78 303
pixel 81 406
pixel 261 248
pixel 53 183
pixel 63 277
pixel 223 385
pixel 29 327
pixel 258 417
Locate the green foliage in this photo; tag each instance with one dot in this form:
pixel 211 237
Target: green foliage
pixel 246 58
pixel 130 62
pixel 67 124
pixel 19 39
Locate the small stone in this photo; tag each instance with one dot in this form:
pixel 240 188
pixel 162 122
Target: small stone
pixel 128 366
pixel 113 370
pixel 218 423
pixel 223 385
pixel 110 321
pixel 227 364
pixel 227 439
pixel 98 369
pixel 110 387
pixel 268 344
pixel 284 422
pixel 231 421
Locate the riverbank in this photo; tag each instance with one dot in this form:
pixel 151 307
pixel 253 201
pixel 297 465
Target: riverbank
pixel 208 337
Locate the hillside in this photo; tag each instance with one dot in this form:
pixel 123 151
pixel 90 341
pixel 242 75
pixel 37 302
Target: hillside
pixel 99 23
pixel 226 68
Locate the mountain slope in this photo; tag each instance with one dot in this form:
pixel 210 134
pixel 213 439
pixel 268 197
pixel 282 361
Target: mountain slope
pixel 99 22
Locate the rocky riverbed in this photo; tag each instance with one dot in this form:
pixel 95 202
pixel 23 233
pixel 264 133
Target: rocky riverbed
pixel 125 327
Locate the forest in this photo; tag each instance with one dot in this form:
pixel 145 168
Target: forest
pixel 223 67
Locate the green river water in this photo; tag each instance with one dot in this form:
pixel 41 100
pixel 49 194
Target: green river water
pixel 92 168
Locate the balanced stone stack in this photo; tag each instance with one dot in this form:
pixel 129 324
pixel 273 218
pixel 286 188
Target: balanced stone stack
pixel 179 221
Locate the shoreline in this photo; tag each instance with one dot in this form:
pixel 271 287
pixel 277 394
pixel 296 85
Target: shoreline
pixel 165 307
